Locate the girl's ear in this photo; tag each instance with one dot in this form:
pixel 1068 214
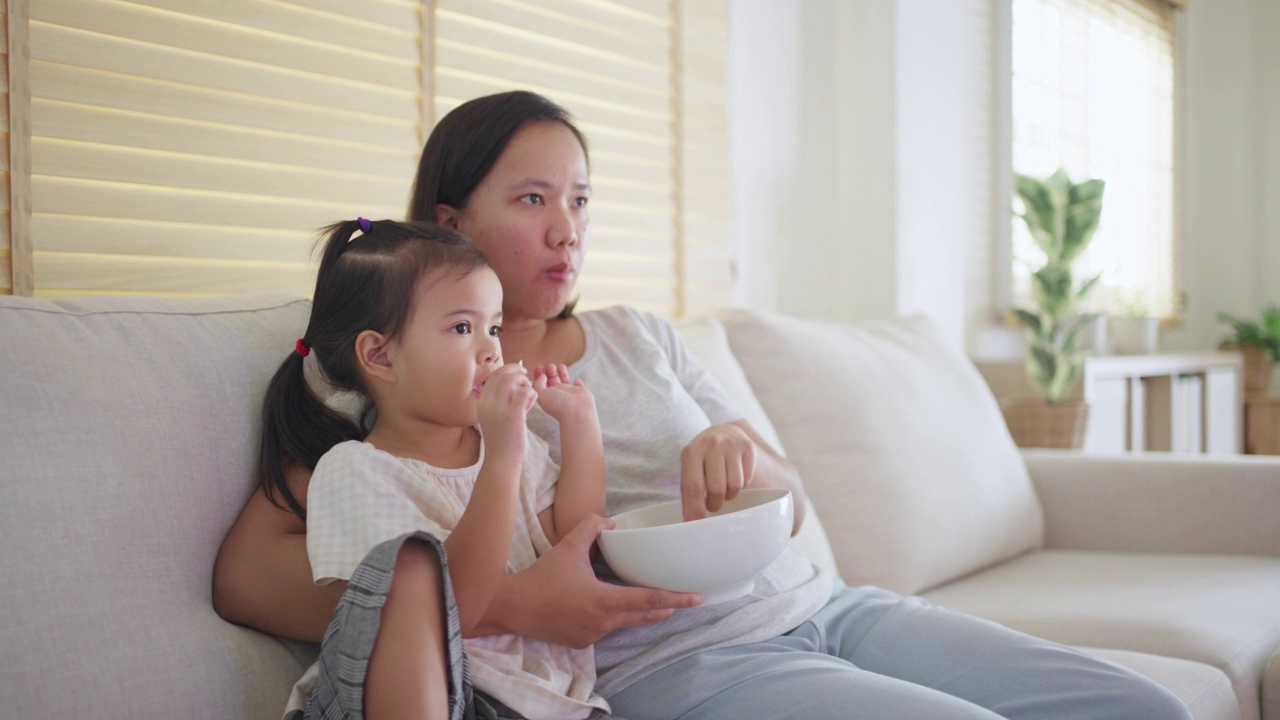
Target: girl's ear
pixel 372 357
pixel 447 216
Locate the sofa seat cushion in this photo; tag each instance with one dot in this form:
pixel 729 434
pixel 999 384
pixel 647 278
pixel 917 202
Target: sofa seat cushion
pixel 129 435
pixel 1206 690
pixel 899 441
pixel 1220 610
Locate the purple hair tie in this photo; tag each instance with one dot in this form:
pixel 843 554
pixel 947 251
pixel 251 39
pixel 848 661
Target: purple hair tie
pixel 364 224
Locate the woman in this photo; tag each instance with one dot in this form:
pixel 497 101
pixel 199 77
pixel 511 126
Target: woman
pixel 510 172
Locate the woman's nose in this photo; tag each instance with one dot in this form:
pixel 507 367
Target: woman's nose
pixel 564 230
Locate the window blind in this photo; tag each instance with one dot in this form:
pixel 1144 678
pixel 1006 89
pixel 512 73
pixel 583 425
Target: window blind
pixel 12 276
pixel 193 147
pixel 1093 92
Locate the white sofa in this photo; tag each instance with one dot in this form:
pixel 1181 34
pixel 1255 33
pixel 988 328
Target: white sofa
pixel 127 440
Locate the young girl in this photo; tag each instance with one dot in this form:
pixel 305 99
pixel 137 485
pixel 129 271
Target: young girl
pixel 408 315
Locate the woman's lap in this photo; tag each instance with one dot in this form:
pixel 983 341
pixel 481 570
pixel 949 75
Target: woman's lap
pixel 873 654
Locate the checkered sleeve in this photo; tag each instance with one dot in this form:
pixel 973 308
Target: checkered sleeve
pixel 357 499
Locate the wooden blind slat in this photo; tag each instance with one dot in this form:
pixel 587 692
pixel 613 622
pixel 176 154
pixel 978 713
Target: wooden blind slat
pixel 161 30
pixel 67 196
pixel 397 40
pixel 64 271
pixel 122 92
pixel 391 13
pixel 69 46
pixel 636 43
pixel 71 234
pixel 141 130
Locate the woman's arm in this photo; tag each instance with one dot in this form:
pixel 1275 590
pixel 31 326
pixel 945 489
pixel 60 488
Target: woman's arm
pixel 560 600
pixel 723 459
pixel 262 577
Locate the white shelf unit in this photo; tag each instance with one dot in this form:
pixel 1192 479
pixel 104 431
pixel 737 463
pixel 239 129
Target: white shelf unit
pixel 1189 403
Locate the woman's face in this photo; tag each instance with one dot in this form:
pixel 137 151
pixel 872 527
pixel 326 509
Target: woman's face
pixel 529 216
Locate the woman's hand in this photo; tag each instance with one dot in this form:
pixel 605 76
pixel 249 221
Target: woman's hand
pixel 714 467
pixel 560 600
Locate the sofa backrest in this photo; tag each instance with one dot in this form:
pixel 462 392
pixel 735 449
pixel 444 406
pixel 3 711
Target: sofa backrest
pixel 127 435
pixel 900 443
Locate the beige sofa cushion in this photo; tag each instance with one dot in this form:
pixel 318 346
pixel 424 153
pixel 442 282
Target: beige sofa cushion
pixel 1220 610
pixel 1206 690
pixel 900 443
pixel 127 440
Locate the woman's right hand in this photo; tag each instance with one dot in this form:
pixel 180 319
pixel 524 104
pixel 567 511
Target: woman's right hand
pixel 560 600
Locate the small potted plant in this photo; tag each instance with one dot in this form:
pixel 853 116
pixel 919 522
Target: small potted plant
pixel 1062 217
pixel 1259 342
pixel 1134 330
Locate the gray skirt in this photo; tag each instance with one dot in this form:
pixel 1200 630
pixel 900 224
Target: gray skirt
pixel 348 643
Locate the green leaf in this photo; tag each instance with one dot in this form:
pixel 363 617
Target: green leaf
pixel 1088 286
pixel 1029 319
pixel 1039 212
pixel 1051 288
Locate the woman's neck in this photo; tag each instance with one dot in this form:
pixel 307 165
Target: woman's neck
pixel 539 341
pixel 439 445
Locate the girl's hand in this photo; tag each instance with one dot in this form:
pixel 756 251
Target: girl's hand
pixel 715 466
pixel 562 398
pixel 504 403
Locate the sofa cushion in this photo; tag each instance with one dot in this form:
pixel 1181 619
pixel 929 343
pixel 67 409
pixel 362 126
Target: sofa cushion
pixel 1220 610
pixel 704 336
pixel 128 437
pixel 899 441
pixel 1206 690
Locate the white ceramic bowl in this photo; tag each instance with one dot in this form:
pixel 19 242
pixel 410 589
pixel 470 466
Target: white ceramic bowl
pixel 719 556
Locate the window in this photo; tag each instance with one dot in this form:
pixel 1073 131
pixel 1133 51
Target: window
pixel 193 148
pixel 1093 92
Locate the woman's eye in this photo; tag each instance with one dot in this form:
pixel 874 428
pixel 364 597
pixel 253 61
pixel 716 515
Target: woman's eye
pixel 533 199
pixel 495 330
pixel 580 202
pixel 461 328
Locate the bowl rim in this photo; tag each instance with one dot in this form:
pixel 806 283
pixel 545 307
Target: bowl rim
pixel 784 493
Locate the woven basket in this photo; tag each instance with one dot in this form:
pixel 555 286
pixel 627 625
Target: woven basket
pixel 1035 423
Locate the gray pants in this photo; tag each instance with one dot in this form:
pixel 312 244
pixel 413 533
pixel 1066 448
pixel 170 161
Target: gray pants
pixel 873 654
pixel 348 643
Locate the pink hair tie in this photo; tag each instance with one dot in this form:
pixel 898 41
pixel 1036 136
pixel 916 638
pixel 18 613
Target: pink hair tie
pixel 302 348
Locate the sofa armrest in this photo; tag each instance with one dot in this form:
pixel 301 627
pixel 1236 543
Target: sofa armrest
pixel 1158 502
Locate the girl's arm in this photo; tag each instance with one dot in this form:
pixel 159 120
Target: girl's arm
pixel 480 543
pixel 580 489
pixel 262 578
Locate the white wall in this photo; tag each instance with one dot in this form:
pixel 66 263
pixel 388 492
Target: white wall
pixel 1231 230
pixel 862 148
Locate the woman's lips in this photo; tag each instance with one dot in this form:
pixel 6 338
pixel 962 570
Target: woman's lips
pixel 561 273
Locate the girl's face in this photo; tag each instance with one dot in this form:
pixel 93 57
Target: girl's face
pixel 529 217
pixel 448 347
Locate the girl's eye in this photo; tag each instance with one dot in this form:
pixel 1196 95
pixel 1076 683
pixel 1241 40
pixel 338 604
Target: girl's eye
pixel 533 199
pixel 495 330
pixel 461 328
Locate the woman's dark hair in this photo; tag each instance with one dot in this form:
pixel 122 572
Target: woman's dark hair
pixel 365 282
pixel 467 142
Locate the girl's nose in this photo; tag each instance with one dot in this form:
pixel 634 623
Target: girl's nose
pixel 491 353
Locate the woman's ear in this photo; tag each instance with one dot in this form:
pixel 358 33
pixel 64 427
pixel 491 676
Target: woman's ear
pixel 447 216
pixel 372 357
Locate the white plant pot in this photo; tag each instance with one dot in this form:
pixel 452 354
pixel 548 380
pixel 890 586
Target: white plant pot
pixel 1135 335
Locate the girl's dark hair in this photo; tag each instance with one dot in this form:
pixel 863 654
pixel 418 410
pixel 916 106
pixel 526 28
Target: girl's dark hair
pixel 467 142
pixel 364 283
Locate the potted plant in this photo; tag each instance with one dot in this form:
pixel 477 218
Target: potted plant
pixel 1134 330
pixel 1259 342
pixel 1062 217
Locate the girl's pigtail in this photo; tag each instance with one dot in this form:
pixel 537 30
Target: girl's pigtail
pixel 297 426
